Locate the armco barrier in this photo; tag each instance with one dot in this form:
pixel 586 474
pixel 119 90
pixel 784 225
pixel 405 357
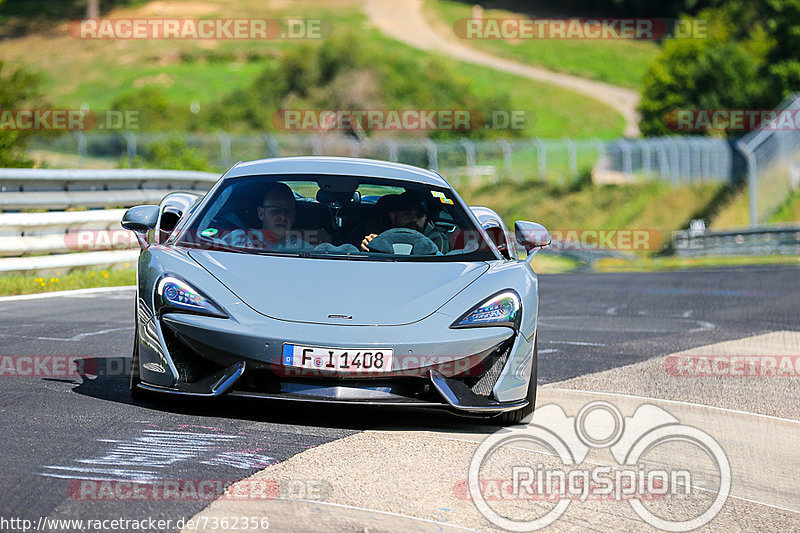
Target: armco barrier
pixel 52 239
pixel 784 240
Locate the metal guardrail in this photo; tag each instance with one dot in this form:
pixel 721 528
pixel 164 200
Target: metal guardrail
pixel 51 239
pixel 783 240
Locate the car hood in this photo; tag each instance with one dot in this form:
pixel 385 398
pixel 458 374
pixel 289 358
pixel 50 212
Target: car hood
pixel 336 291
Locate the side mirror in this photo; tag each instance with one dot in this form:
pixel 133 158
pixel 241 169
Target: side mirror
pixel 531 236
pixel 140 220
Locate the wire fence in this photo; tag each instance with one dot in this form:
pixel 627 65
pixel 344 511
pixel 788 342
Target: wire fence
pixel 679 160
pixel 772 156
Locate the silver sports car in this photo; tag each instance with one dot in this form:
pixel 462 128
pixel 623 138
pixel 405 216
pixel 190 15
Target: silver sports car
pixel 326 279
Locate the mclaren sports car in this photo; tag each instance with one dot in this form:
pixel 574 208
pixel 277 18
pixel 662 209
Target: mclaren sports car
pixel 326 279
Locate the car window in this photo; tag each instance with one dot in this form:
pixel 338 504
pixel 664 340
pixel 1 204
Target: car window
pixel 344 217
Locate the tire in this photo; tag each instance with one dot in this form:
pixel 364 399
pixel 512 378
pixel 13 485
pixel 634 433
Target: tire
pixel 512 418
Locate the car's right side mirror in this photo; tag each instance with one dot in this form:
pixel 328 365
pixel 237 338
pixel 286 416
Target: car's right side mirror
pixel 140 220
pixel 531 236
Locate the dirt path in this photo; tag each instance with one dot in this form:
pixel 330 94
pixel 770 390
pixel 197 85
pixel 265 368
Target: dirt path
pixel 403 20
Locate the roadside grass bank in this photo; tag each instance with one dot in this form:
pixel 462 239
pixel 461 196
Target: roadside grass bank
pixel 168 77
pixel 621 62
pixel 26 283
pixel 657 264
pixel 654 207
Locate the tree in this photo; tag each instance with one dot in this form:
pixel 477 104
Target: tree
pixel 18 87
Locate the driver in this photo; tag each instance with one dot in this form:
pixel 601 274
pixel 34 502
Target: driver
pixel 410 211
pixel 277 211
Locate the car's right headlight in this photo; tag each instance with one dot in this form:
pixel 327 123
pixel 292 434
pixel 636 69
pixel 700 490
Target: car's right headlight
pixel 177 294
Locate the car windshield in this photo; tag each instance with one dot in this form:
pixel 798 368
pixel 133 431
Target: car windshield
pixel 347 217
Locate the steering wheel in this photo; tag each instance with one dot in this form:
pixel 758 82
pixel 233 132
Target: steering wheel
pixel 403 241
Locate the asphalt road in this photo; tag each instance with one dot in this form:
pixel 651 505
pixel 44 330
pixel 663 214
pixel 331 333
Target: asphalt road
pixel 58 430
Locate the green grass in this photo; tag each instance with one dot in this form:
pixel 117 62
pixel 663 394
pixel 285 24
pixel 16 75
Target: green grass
pixel 20 283
pixel 647 206
pixel 97 72
pixel 619 62
pixel 553 264
pixel 643 264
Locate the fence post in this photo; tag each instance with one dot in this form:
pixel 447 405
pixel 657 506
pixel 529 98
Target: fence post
pixel 272 145
pixel 392 147
pixel 752 180
pixel 131 140
pixel 433 156
pixel 572 154
pixel 225 149
pixel 316 145
pixel 647 165
pixel 81 139
pixel 627 164
pixel 506 147
pixel 469 152
pixel 355 147
pixel 541 157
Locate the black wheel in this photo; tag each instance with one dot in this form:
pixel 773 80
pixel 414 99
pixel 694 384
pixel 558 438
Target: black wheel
pixel 512 418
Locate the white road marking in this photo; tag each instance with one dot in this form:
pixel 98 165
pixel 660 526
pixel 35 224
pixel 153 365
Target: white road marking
pixel 78 337
pixel 387 513
pixel 577 343
pixel 66 294
pixel 704 406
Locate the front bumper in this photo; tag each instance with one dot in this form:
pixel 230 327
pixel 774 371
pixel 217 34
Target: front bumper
pixel 455 393
pixel 438 367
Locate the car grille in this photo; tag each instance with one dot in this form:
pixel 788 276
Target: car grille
pixel 190 365
pixel 496 361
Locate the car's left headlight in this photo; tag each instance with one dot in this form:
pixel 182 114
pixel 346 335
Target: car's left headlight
pixel 178 294
pixel 502 309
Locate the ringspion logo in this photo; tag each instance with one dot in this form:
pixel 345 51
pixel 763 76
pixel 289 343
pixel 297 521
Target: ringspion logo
pixel 635 479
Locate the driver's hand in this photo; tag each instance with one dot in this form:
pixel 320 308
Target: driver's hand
pixel 365 242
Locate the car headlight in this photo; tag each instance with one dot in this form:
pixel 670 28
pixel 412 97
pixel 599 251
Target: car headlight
pixel 502 309
pixel 175 293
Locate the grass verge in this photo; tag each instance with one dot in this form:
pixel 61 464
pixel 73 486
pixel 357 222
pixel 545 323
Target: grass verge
pixel 657 264
pixel 13 284
pixel 95 73
pixel 619 62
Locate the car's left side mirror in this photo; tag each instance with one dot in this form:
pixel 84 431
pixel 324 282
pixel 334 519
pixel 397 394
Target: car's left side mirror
pixel 140 220
pixel 531 236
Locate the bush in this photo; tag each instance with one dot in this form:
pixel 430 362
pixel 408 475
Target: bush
pixel 173 154
pixel 18 88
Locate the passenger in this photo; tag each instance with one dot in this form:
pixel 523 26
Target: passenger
pixel 409 210
pixel 277 211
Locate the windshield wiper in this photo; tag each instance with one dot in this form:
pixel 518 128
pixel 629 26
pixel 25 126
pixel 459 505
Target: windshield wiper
pixel 360 257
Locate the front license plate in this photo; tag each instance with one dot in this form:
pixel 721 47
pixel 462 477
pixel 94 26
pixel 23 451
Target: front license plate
pixel 355 360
